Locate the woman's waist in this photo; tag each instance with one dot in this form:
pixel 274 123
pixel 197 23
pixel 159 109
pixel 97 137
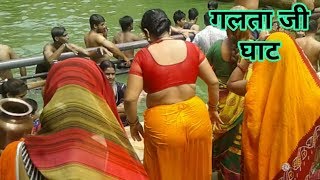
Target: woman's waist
pixel 191 102
pixel 171 95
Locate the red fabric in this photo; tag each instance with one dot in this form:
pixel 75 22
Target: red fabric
pixel 89 79
pixel 157 77
pixel 115 160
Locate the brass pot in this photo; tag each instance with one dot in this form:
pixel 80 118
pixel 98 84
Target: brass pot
pixel 15 120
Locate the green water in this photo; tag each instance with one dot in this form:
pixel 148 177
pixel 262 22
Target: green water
pixel 26 24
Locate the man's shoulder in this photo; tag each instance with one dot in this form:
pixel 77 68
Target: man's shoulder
pixel 48 46
pixel 4 47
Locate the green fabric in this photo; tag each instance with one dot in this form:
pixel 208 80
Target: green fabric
pixel 222 68
pixel 225 160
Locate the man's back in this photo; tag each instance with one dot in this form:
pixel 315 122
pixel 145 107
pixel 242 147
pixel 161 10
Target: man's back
pixel 94 39
pixel 311 48
pixel 5 55
pixel 124 37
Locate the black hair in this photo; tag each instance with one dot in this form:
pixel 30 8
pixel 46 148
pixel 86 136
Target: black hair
pixel 212 5
pixel 125 22
pixel 267 8
pixel 193 14
pixel 206 18
pixel 13 87
pixel 313 26
pixel 57 31
pixel 96 19
pixel 106 64
pixel 156 22
pixel 33 104
pixel 178 15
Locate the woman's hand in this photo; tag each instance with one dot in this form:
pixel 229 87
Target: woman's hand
pixel 215 121
pixel 136 131
pixel 214 116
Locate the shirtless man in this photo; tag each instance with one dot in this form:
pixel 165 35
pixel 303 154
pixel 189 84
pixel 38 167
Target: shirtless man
pixel 193 18
pixel 126 35
pixel 6 53
pixel 179 18
pixel 95 38
pixel 310 46
pixel 52 51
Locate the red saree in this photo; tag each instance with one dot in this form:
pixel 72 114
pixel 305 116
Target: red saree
pixel 81 136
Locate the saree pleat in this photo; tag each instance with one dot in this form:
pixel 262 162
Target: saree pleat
pixel 81 136
pixel 281 128
pixel 178 140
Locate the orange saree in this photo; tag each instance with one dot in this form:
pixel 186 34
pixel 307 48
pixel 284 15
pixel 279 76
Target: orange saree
pixel 281 129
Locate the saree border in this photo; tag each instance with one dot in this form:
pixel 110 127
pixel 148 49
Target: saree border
pixel 301 158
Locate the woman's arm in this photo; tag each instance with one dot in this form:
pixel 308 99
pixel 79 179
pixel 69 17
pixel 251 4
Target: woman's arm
pixel 236 83
pixel 207 75
pixel 134 88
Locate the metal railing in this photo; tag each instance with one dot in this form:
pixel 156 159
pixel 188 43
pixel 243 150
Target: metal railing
pixel 22 62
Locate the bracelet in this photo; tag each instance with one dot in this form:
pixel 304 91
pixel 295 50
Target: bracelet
pixel 215 107
pixel 134 123
pixel 241 68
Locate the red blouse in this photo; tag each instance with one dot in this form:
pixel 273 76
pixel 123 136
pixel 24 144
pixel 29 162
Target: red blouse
pixel 157 77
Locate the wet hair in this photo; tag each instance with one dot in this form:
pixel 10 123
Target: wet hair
pixel 156 22
pixel 106 64
pixel 178 15
pixel 206 18
pixel 33 104
pixel 193 14
pixel 313 26
pixel 13 87
pixel 96 19
pixel 212 5
pixel 125 22
pixel 57 31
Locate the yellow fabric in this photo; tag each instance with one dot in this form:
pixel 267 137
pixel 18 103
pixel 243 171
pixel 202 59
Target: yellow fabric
pixel 232 109
pixel 178 141
pixel 281 107
pixel 72 172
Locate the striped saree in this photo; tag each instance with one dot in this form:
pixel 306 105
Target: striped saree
pixel 281 128
pixel 81 136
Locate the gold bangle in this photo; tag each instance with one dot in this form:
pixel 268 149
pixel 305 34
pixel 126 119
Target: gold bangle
pixel 215 107
pixel 134 123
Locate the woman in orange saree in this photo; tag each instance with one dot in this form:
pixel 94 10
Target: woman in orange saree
pixel 81 136
pixel 281 128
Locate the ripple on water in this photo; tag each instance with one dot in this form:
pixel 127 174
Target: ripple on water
pixel 24 17
pixel 85 1
pixel 23 5
pixel 111 12
pixel 48 7
pixel 70 10
pixel 5 14
pixel 39 4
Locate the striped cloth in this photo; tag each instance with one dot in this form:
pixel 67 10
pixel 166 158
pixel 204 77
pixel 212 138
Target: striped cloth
pixel 81 136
